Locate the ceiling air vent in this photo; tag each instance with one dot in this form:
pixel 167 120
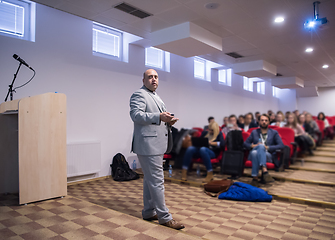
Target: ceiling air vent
pixel 125 7
pixel 279 75
pixel 234 55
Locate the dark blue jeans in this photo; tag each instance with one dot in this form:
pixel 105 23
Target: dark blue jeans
pixel 194 152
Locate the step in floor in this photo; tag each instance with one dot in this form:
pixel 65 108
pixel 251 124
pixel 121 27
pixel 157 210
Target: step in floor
pixel 317 159
pixel 325 167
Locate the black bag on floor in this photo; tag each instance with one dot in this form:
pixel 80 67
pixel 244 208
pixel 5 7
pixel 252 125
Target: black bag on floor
pixel 232 163
pixel 121 170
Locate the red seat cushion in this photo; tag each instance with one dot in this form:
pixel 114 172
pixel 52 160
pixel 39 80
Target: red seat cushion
pixel 248 164
pixel 167 156
pixel 213 160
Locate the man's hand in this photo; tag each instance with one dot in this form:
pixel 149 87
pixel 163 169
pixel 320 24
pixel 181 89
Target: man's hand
pixel 173 121
pixel 166 117
pixel 254 145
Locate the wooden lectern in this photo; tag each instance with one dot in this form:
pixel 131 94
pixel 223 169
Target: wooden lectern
pixel 33 147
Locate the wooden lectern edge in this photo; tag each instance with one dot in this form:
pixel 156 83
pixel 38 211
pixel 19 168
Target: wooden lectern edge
pixel 14 104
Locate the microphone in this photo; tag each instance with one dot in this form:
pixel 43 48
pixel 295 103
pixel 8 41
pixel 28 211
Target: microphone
pixel 22 61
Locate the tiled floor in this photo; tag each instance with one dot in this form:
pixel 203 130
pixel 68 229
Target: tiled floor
pixel 73 218
pixel 212 218
pixel 106 209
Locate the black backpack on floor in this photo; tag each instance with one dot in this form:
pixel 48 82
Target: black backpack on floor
pixel 121 170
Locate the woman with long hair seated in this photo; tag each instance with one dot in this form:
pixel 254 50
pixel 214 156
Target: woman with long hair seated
pixel 215 145
pixel 329 130
pixel 301 137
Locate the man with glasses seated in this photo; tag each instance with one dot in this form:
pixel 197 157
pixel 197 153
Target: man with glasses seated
pixel 263 143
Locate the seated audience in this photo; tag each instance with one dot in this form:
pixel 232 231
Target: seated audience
pixel 280 113
pixel 272 118
pixel 232 125
pixel 329 130
pixel 216 144
pixel 301 120
pixel 279 120
pixel 210 119
pixel 286 115
pixel 240 121
pixel 225 122
pixel 257 114
pixel 263 143
pixel 311 127
pixel 270 112
pixel 297 113
pixel 301 137
pixel 248 123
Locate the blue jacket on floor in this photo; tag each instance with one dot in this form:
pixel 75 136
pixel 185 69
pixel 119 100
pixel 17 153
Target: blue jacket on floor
pixel 245 192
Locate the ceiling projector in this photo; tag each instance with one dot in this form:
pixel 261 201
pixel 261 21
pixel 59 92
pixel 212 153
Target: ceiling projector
pixel 316 22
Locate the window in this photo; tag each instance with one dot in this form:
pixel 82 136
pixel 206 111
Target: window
pixel 199 68
pixel 107 41
pixel 261 87
pixel 225 76
pixel 275 91
pixel 17 19
pixel 157 58
pixel 248 84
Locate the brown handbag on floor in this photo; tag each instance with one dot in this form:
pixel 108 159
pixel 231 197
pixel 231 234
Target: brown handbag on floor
pixel 215 187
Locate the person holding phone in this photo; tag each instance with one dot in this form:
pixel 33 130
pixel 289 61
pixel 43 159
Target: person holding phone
pixel 152 123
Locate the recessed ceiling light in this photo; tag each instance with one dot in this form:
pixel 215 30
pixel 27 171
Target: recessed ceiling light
pixel 279 19
pixel 325 66
pixel 309 50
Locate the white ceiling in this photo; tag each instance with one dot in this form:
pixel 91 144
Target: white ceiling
pixel 246 27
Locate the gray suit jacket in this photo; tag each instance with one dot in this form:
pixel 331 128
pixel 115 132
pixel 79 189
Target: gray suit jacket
pixel 150 135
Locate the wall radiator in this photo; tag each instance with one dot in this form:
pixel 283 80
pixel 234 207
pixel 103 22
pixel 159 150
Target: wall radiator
pixel 83 158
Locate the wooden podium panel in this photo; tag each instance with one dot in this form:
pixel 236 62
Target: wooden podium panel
pixel 41 145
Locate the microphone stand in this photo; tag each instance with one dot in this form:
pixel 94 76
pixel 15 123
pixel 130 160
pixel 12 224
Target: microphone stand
pixel 10 90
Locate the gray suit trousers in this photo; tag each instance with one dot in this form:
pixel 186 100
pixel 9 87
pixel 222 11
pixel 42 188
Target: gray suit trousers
pixel 153 188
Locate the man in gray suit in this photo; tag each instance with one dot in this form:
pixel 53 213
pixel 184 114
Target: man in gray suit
pixel 150 142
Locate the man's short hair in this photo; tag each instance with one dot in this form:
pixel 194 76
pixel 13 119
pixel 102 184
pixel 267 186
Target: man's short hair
pixel 210 118
pixel 257 113
pixel 232 116
pixel 249 113
pixel 265 115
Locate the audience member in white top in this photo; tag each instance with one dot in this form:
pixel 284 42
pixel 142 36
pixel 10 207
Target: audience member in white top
pixel 279 120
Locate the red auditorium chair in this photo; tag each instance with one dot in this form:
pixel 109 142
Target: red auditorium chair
pixel 248 163
pixel 252 129
pixel 321 125
pixel 273 127
pixel 198 132
pixel 287 136
pixel 215 161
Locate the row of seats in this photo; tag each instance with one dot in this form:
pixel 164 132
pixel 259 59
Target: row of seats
pixel 286 134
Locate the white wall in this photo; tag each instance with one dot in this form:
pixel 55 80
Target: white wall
pixel 98 89
pixel 288 100
pixel 323 103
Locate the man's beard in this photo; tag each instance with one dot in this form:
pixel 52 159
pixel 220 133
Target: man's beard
pixel 264 127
